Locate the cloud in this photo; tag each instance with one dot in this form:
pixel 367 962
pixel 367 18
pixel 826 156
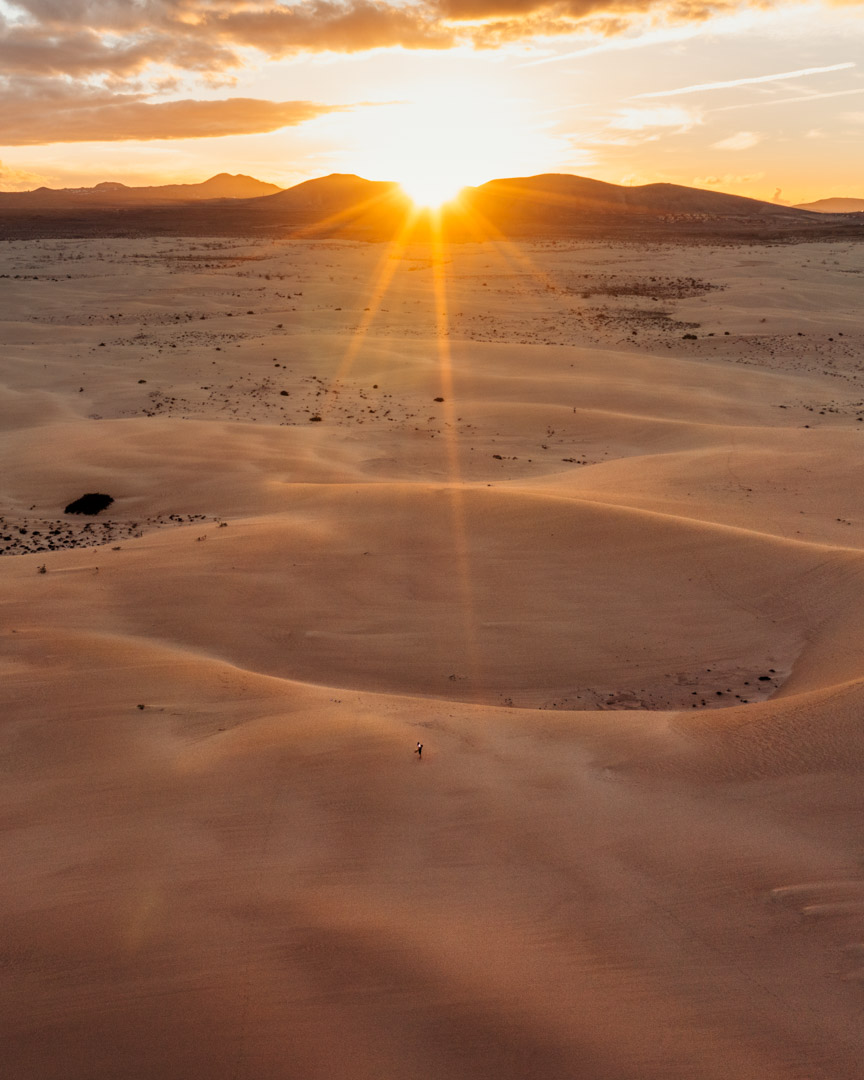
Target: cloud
pixel 726 181
pixel 104 35
pixel 633 127
pixel 751 80
pixel 57 115
pixel 742 140
pixel 78 36
pixel 320 25
pixel 20 179
pixel 30 50
pixel 127 16
pixel 136 45
pixel 580 10
pixel 790 100
pixel 668 116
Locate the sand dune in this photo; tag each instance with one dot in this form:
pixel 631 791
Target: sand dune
pixel 612 581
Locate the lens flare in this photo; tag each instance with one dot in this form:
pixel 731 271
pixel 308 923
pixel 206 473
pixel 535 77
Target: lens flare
pixel 447 136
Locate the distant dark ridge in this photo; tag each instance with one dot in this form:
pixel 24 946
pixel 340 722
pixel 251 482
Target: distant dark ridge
pixel 834 206
pixel 112 193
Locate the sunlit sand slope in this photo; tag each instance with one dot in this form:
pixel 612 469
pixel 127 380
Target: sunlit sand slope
pixel 615 586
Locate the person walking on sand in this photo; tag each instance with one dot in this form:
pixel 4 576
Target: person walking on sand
pixel 419 750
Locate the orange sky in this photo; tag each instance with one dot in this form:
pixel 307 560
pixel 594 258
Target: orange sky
pixel 764 99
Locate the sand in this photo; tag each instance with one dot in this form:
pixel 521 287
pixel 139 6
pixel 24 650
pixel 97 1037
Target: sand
pixel 583 518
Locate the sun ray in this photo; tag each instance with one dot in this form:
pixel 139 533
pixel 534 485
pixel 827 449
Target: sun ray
pixel 455 487
pixel 485 232
pixel 383 277
pixel 350 213
pixel 431 227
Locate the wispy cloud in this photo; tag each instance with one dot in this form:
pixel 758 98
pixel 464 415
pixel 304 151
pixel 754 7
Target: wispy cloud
pixel 789 100
pixel 726 181
pixel 657 36
pixel 742 140
pixel 749 81
pixel 668 116
pixel 633 127
pixel 19 179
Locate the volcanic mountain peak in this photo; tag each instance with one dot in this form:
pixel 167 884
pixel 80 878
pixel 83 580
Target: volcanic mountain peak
pixel 337 189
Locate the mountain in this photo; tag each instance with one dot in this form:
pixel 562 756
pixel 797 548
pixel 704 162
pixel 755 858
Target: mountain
pixel 834 206
pixel 111 193
pixel 338 191
pixel 560 199
pixel 341 204
pixel 221 186
pixel 551 205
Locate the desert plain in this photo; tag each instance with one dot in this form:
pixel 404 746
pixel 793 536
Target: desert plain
pixel 584 518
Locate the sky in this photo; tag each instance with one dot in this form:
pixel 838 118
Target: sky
pixel 762 98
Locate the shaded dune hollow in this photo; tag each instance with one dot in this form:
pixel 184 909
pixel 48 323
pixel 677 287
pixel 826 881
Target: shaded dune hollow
pixel 440 592
pixel 613 583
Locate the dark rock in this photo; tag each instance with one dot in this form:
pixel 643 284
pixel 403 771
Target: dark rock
pixel 91 503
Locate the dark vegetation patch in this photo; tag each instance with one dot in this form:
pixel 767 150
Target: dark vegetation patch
pixel 26 535
pixel 656 288
pixel 636 319
pixel 706 689
pixel 91 503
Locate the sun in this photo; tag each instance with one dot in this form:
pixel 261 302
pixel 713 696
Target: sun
pixel 432 146
pixel 430 190
pixel 445 136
